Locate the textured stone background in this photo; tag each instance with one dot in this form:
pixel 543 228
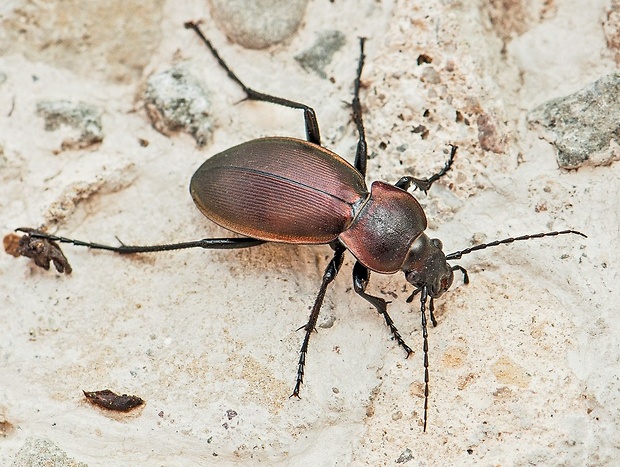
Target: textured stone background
pixel 525 359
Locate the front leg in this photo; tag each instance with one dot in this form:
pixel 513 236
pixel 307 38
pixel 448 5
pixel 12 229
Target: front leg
pixel 361 275
pixel 424 184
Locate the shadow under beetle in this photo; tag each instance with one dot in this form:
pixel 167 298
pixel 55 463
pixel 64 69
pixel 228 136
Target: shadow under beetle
pixel 287 190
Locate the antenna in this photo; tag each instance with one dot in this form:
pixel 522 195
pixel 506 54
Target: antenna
pixel 460 253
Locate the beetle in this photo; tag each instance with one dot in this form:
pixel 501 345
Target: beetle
pixel 289 190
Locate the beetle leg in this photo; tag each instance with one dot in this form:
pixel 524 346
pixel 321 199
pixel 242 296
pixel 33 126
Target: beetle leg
pixel 424 184
pixel 361 276
pixel 312 126
pixel 52 251
pixel 361 155
pixel 331 271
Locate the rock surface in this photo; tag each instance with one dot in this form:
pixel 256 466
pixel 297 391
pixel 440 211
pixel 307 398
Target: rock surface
pixel 524 360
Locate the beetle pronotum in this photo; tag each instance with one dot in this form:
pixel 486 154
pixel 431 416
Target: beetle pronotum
pixel 288 190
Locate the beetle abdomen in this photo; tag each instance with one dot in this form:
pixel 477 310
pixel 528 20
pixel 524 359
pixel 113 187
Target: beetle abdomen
pixel 279 189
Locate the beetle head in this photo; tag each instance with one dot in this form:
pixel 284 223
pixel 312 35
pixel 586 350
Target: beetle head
pixel 426 266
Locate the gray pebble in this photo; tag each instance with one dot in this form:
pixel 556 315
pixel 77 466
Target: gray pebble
pixel 83 117
pixel 42 452
pixel 583 125
pixel 405 456
pixel 321 53
pixel 257 24
pixel 175 100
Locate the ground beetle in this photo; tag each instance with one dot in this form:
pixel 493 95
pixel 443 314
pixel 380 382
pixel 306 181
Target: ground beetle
pixel 288 190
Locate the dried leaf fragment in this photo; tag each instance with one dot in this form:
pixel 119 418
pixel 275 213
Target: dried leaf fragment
pixel 112 401
pixel 41 250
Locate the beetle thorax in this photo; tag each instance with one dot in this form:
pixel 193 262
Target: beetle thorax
pixel 426 266
pixel 384 228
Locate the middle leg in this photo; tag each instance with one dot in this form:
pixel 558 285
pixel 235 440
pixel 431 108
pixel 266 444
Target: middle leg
pixel 361 155
pixel 312 125
pixel 331 271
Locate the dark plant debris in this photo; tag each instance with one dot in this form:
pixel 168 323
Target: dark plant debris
pixel 112 401
pixel 41 250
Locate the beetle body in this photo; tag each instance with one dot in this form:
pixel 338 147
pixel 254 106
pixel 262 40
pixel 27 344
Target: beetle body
pixel 292 191
pixel 288 190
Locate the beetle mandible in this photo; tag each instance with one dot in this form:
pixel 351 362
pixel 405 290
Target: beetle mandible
pixel 288 190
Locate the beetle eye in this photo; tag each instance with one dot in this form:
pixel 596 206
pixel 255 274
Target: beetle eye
pixel 437 243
